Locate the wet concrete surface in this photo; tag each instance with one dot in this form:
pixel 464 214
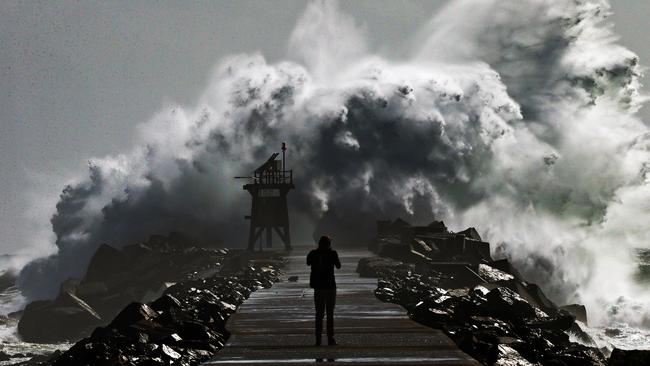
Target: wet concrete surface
pixel 276 326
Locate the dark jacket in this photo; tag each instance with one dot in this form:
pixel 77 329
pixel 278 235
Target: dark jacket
pixel 322 262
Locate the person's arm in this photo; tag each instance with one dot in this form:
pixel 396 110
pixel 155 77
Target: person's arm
pixel 337 262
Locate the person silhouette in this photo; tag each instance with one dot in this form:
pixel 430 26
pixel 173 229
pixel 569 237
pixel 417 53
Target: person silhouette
pixel 322 261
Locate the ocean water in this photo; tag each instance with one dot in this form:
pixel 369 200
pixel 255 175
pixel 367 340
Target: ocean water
pixel 11 344
pixel 620 335
pixel 11 300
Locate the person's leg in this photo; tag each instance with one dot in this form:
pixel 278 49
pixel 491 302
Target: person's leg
pixel 331 301
pixel 319 302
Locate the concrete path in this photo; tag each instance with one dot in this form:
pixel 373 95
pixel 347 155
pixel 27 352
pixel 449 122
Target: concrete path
pixel 276 326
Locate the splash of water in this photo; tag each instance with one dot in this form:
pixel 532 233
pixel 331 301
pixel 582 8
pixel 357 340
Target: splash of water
pixel 520 122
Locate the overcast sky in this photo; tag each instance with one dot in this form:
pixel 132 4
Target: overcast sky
pixel 77 76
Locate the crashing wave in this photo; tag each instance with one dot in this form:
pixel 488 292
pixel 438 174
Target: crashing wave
pixel 519 122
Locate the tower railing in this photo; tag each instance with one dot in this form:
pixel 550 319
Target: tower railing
pixel 274 177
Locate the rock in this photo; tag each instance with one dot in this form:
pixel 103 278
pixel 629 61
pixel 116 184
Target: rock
pixel 487 309
pixel 575 354
pixel 185 326
pixel 538 296
pixel 560 322
pixel 91 289
pixel 106 259
pixel 530 293
pixel 376 266
pixel 399 251
pixel 292 279
pixel 460 274
pixel 423 248
pixel 502 331
pixel 192 330
pixel 433 317
pixel 387 228
pixel 152 295
pixel 398 225
pixel 505 266
pixel 70 300
pixel 134 313
pixel 177 240
pixel 492 275
pixel 170 353
pixel 437 227
pixel 577 310
pixel 165 303
pixel 470 233
pixel 69 286
pixel 508 356
pixel 383 227
pixel 68 317
pixel 579 333
pixel 621 357
pixel 473 344
pixel 475 251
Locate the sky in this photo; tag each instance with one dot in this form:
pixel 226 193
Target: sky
pixel 77 77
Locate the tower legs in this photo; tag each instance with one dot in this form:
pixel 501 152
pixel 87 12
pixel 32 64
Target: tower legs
pixel 268 214
pixel 255 236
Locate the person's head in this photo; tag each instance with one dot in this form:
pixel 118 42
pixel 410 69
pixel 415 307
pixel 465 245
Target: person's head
pixel 325 242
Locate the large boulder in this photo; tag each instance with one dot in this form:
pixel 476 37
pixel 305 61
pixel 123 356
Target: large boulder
pixel 507 304
pixel 429 250
pixel 620 357
pixel 470 233
pixel 378 266
pixel 493 275
pixel 106 260
pixel 399 251
pixel 66 318
pixel 431 316
pixel 398 225
pixel 559 322
pixel 92 289
pixel 134 313
pixel 510 357
pixel 437 227
pixel 577 310
pixel 505 266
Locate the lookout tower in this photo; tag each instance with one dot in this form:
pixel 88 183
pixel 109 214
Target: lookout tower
pixel 269 186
